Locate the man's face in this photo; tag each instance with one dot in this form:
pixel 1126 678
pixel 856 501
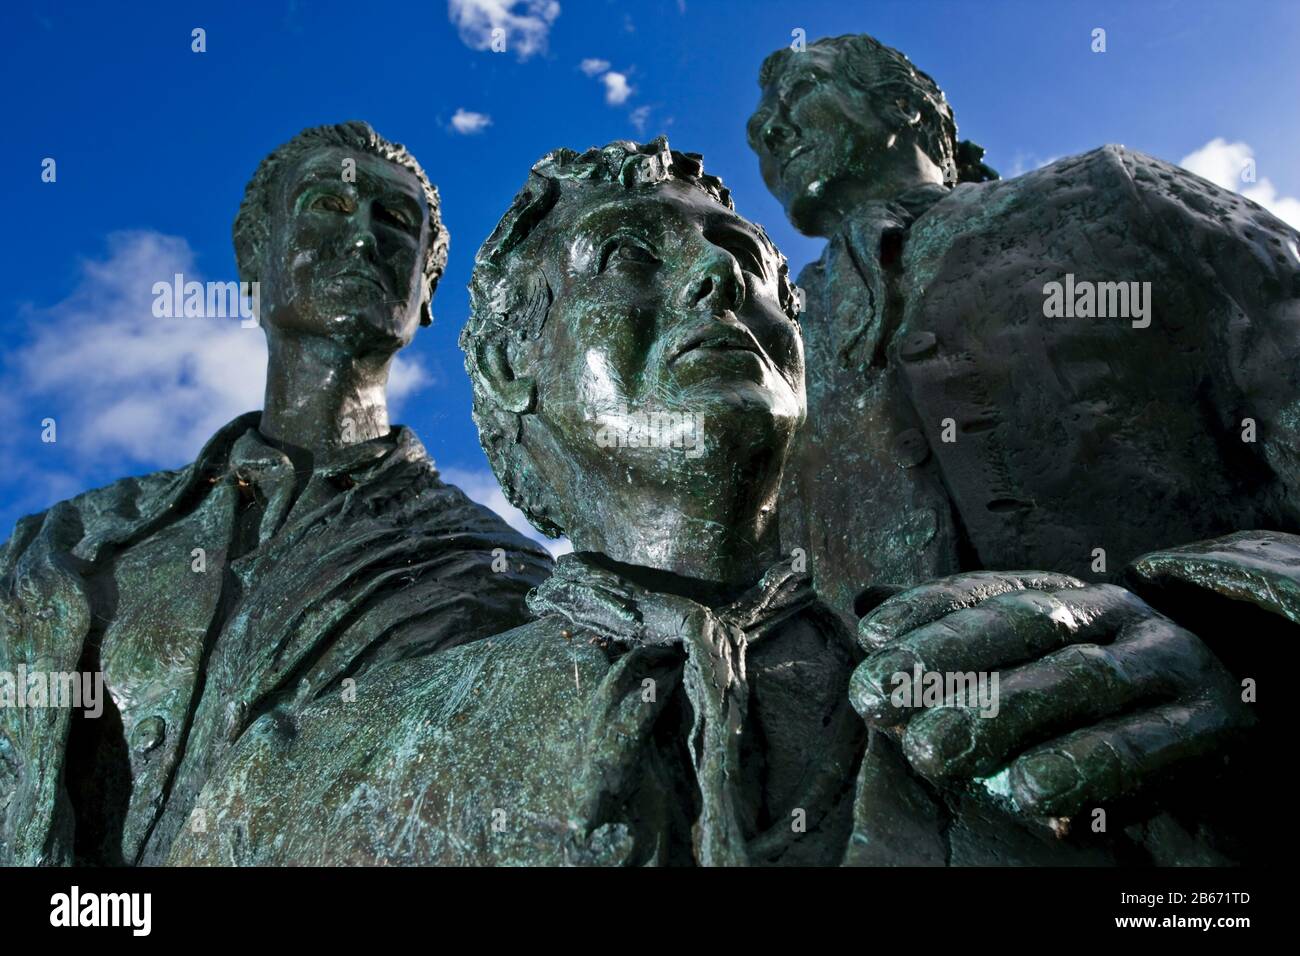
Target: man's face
pixel 344 259
pixel 820 143
pixel 665 302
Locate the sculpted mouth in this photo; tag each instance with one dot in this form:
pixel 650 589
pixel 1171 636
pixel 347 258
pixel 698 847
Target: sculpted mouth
pixel 361 275
pixel 718 337
pixel 794 153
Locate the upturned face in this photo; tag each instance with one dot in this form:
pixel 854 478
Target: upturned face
pixel 666 303
pixel 344 258
pixel 820 142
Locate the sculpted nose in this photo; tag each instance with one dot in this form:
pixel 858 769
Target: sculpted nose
pixel 777 134
pixel 715 284
pixel 359 240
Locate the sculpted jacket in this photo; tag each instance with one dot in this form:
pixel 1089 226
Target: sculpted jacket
pixel 214 595
pixel 953 426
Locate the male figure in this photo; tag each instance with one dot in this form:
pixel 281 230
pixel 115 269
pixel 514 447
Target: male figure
pixel 962 415
pixel 306 544
pixel 683 696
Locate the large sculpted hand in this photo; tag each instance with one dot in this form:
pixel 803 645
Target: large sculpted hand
pixel 1088 693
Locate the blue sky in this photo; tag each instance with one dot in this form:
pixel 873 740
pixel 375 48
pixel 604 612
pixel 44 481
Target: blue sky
pixel 154 144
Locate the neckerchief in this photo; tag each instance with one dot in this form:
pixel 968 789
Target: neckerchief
pixel 715 641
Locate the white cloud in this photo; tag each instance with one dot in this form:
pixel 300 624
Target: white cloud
pixel 129 389
pixel 617 89
pixel 1026 162
pixel 524 24
pixel 405 377
pixel 1224 164
pixel 482 487
pixel 1219 161
pixel 468 122
pixel 639 116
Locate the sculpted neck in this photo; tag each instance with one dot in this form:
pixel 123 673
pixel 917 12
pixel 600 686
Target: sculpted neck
pixel 911 168
pixel 700 550
pixel 319 397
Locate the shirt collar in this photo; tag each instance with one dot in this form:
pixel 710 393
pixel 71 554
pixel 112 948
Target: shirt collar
pixel 598 599
pixel 241 448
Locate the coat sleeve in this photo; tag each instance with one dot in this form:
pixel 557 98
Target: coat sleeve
pixel 44 619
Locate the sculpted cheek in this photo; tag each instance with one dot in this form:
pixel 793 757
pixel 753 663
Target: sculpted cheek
pixel 606 327
pixel 598 385
pixel 402 267
pixel 303 260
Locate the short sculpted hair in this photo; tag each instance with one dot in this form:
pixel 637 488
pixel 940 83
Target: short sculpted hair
pixel 253 223
pixel 890 79
pixel 510 295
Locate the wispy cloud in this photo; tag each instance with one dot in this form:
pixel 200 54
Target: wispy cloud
pixel 467 122
pixel 524 25
pixel 1227 164
pixel 1025 162
pixel 639 117
pixel 481 485
pixel 593 66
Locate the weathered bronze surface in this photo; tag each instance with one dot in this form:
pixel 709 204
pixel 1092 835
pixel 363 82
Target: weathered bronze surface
pixel 326 542
pixel 353 675
pixel 682 696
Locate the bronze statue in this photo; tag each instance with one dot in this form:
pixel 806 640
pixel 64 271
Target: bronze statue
pixel 1066 370
pixel 307 544
pixel 683 695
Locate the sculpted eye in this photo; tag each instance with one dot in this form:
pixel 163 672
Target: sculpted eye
pixel 748 259
pixel 800 88
pixel 743 249
pixel 625 250
pixel 328 202
pixel 396 214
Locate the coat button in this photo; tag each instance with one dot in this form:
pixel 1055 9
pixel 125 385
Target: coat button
pixel 148 735
pixel 917 345
pixel 910 448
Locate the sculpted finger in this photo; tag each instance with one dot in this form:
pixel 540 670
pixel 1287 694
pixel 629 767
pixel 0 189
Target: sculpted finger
pixel 1003 631
pixel 927 603
pixel 1116 758
pixel 1153 661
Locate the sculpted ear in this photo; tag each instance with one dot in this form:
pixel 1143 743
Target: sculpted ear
pixel 426 302
pixel 515 393
pixel 522 305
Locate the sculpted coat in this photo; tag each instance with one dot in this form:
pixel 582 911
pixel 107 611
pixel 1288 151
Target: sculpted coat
pixel 373 559
pixel 1067 434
